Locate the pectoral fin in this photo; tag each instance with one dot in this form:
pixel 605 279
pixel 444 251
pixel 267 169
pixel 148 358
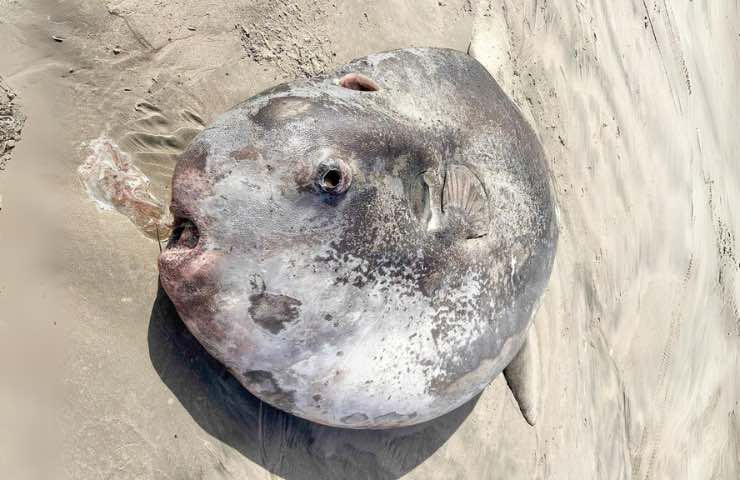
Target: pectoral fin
pixel 464 197
pixel 523 377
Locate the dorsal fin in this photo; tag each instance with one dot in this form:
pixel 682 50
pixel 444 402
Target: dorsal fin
pixel 463 195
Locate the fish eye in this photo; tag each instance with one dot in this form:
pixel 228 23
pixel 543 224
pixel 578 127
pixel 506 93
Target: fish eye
pixel 334 177
pixel 331 179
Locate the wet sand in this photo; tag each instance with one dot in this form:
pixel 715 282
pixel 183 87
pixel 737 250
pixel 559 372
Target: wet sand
pixel 636 107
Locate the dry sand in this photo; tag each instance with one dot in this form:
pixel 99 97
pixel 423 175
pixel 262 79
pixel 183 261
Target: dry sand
pixel 636 105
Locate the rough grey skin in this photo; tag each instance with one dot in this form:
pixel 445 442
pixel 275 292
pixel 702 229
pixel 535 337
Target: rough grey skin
pixel 364 249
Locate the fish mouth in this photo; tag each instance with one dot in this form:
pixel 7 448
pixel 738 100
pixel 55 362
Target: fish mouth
pixel 182 250
pixel 185 234
pixel 188 269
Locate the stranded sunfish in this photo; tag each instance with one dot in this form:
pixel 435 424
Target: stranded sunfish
pixel 364 248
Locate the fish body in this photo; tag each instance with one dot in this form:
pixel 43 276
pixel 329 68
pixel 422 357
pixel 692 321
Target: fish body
pixel 365 248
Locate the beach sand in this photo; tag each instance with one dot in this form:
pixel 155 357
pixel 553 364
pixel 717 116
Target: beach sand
pixel 636 106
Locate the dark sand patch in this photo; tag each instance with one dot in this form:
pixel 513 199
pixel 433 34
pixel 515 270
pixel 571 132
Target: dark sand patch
pixel 11 123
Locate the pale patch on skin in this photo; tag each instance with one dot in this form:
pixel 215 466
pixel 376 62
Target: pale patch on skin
pixel 338 286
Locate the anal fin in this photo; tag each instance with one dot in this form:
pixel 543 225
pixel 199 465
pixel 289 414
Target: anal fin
pixel 523 377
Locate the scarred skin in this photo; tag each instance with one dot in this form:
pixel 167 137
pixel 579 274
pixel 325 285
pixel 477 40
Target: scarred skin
pixel 364 249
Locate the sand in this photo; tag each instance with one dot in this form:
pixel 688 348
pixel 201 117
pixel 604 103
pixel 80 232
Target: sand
pixel 636 106
pixel 11 124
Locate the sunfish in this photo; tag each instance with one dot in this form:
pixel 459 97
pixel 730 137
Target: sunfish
pixel 366 248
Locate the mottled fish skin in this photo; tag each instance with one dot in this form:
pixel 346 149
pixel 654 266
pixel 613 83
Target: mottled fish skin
pixel 364 249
